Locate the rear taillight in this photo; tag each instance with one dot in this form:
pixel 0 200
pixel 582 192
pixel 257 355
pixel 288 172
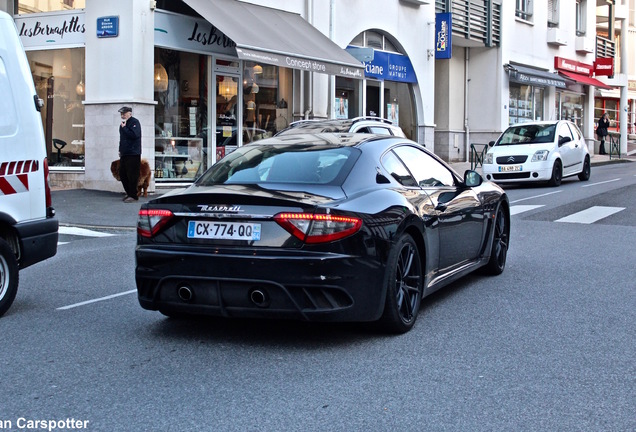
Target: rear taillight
pixel 151 221
pixel 318 228
pixel 47 188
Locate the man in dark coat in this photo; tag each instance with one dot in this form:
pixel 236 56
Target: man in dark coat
pixel 129 153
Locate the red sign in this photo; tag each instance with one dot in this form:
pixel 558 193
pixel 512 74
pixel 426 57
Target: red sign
pixel 604 66
pixel 573 66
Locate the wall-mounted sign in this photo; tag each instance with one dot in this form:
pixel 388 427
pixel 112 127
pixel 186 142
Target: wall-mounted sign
pixel 61 28
pixel 192 34
pixel 604 66
pixel 387 66
pixel 443 35
pixel 108 27
pixel 563 64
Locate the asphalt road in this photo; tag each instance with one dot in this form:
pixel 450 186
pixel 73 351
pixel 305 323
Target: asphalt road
pixel 548 345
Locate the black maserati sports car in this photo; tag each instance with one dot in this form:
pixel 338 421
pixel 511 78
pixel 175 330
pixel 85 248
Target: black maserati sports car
pixel 322 227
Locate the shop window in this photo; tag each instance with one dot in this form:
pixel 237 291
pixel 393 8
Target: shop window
pixel 570 107
pixel 181 115
pixel 524 10
pixel 36 6
pixel 58 76
pixel 526 104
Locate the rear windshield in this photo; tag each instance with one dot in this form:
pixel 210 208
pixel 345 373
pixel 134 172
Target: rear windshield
pixel 297 164
pixel 528 134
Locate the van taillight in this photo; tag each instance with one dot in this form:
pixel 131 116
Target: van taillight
pixel 47 190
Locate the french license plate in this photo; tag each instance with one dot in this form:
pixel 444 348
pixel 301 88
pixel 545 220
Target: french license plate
pixel 508 168
pixel 224 230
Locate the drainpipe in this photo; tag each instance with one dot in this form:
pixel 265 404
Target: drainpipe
pixel 332 79
pixel 309 4
pixel 466 81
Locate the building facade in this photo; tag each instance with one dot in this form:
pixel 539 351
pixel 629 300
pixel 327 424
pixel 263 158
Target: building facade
pixel 204 77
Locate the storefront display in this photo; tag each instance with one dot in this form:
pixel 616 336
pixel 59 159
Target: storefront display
pixel 526 103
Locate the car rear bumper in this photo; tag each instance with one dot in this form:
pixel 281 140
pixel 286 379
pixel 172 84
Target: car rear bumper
pixel 304 286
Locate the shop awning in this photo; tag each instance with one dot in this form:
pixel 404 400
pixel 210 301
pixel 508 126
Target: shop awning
pixel 530 76
pixel 266 35
pixel 582 79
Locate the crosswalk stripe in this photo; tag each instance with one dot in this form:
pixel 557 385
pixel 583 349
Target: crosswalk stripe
pixel 591 215
pixel 82 232
pixel 516 209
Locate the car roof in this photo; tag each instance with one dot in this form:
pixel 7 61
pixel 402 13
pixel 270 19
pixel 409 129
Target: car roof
pixel 337 125
pixel 325 138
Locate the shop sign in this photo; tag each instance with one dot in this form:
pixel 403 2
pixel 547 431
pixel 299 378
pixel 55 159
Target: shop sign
pixel 387 66
pixel 443 35
pixel 108 27
pixel 573 66
pixel 631 85
pixel 191 34
pixel 604 66
pixel 37 31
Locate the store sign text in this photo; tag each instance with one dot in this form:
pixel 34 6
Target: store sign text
pixel 213 37
pixel 573 66
pixel 54 28
pixel 389 66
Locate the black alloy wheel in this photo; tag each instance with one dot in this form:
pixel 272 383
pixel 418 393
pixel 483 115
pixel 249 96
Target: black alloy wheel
pixel 585 174
pixel 403 286
pixel 500 242
pixel 557 174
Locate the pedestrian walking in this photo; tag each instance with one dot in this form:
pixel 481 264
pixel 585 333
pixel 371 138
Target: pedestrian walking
pixel 601 132
pixel 129 153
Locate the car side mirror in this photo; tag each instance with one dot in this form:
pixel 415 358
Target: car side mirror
pixel 491 144
pixel 472 178
pixel 563 140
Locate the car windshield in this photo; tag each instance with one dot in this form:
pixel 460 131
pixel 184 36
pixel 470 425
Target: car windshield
pixel 294 164
pixel 528 134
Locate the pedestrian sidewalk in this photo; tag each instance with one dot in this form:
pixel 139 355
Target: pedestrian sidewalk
pixel 101 209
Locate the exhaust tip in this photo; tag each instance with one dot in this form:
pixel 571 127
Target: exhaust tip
pixel 259 297
pixel 185 293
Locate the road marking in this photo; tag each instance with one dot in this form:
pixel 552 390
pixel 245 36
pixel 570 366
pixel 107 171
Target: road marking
pixel 591 215
pixel 96 300
pixel 536 196
pixel 516 209
pixel 600 183
pixel 82 232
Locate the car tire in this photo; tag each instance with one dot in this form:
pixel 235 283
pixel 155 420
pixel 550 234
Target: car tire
pixel 500 241
pixel 9 276
pixel 557 174
pixel 403 286
pixel 587 170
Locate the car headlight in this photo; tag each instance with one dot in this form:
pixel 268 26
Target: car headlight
pixel 540 156
pixel 488 158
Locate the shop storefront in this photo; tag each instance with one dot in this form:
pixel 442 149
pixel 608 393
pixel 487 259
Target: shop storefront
pixel 387 90
pixel 528 93
pixel 570 102
pixel 218 85
pixel 55 49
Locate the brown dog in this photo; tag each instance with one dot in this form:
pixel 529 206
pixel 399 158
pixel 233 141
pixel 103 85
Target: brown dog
pixel 144 176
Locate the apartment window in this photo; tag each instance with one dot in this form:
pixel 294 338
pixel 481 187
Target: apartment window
pixel 581 7
pixel 524 9
pixel 553 13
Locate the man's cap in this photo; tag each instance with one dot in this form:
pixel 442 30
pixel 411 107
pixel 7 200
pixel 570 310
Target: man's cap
pixel 125 109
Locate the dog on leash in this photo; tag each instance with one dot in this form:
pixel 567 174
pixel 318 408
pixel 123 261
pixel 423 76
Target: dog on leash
pixel 144 176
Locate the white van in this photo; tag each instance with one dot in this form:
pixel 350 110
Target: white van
pixel 28 228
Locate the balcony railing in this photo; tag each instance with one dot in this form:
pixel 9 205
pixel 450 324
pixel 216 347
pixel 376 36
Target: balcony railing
pixel 477 20
pixel 605 48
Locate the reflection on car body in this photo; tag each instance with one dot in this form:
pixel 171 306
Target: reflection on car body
pixel 320 227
